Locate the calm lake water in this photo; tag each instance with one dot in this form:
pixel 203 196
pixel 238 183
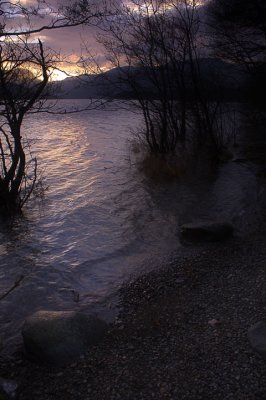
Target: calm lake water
pixel 101 220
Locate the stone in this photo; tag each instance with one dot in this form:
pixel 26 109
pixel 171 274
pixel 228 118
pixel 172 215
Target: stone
pixel 214 322
pixel 8 389
pixel 59 337
pixel 257 337
pixel 206 230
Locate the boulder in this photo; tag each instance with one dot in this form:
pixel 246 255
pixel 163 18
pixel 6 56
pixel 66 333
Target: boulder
pixel 257 337
pixel 206 230
pixel 59 337
pixel 8 389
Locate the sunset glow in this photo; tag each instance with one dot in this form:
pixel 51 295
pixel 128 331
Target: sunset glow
pixel 150 7
pixel 58 75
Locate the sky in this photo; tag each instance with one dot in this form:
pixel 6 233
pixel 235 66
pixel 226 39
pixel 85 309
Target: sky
pixel 67 41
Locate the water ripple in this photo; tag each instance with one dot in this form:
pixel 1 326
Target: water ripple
pixel 100 220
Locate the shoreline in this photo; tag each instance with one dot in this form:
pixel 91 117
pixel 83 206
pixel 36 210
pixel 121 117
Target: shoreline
pixel 181 334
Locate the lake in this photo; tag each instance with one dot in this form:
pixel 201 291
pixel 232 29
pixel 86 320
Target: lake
pixel 100 220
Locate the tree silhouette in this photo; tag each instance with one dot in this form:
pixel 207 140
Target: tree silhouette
pixel 160 43
pixel 25 69
pixel 41 15
pixel 240 28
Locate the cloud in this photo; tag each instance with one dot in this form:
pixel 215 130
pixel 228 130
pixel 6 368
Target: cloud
pixel 67 41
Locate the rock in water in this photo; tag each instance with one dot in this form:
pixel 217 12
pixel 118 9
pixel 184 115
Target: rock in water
pixel 58 337
pixel 206 230
pixel 257 337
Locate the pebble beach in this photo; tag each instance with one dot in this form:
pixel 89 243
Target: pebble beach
pixel 181 334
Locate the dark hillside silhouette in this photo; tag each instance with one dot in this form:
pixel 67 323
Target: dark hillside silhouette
pixel 222 80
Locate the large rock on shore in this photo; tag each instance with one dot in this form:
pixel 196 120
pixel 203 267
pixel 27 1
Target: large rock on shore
pixel 257 337
pixel 8 389
pixel 58 337
pixel 206 230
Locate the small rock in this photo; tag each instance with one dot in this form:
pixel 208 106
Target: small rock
pixel 257 337
pixel 214 322
pixel 8 389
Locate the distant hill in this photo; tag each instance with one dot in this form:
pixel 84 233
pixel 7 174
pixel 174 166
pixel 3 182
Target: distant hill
pixel 218 76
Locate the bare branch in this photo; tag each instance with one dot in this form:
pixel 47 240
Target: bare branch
pixel 15 285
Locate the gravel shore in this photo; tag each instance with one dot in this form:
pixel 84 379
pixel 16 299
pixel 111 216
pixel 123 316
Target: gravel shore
pixel 181 334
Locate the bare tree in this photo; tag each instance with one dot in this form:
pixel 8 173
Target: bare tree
pixel 20 18
pixel 25 69
pixel 155 44
pixel 240 28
